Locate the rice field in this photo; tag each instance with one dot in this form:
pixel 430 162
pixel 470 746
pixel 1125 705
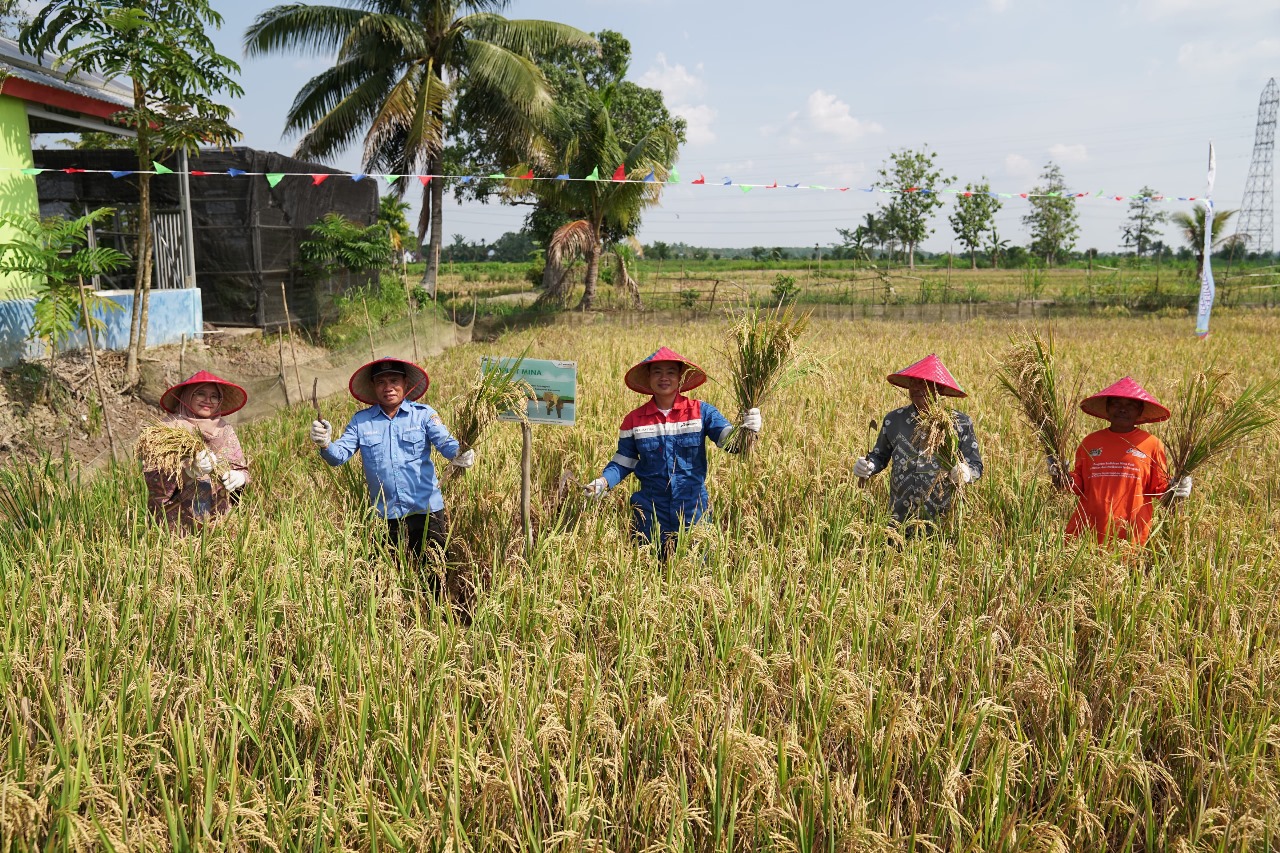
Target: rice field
pixel 798 677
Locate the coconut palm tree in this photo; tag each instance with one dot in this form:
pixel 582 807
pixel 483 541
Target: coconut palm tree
pixel 1191 226
pixel 398 66
pixel 607 211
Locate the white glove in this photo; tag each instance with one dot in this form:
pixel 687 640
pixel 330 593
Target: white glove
pixel 863 468
pixel 596 487
pixel 1051 463
pixel 752 421
pixel 234 479
pixel 321 433
pixel 961 475
pixel 1182 488
pixel 202 465
pixel 464 460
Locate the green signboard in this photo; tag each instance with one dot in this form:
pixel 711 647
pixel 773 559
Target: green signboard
pixel 554 384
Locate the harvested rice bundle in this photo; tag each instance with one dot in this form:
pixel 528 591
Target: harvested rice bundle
pixel 1029 373
pixel 495 392
pixel 935 435
pixel 1210 424
pixel 168 449
pixel 764 356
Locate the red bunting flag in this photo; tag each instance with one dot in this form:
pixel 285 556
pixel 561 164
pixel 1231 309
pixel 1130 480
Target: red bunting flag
pixel 701 179
pixel 967 194
pixel 1023 195
pixel 72 171
pixel 425 179
pixel 527 176
pixel 620 174
pixel 772 186
pixel 198 173
pixel 913 189
pixel 317 180
pixel 844 189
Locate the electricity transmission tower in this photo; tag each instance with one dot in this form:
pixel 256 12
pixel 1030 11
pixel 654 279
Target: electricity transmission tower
pixel 1258 210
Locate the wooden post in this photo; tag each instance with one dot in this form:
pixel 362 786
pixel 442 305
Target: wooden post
pixel 714 287
pixel 413 331
pixel 526 486
pixel 284 383
pixel 368 327
pixel 97 375
pixel 292 349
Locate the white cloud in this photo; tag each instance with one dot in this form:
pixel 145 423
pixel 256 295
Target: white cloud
pixel 828 114
pixel 1017 166
pixel 1064 153
pixel 698 117
pixel 1202 56
pixel 998 5
pixel 680 88
pixel 676 82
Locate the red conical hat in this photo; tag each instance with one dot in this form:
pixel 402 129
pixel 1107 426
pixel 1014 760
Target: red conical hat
pixel 930 369
pixel 637 377
pixel 1152 411
pixel 233 396
pixel 416 380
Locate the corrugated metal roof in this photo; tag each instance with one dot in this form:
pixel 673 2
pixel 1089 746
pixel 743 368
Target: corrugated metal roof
pixel 27 67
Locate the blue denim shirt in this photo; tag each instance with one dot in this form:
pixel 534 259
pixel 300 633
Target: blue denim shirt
pixel 396 453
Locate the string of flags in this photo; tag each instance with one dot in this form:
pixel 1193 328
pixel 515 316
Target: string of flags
pixel 619 176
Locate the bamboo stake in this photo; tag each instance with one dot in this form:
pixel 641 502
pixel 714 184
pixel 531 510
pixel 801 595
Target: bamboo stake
pixel 289 324
pixel 368 327
pixel 97 375
pixel 284 383
pixel 413 331
pixel 526 486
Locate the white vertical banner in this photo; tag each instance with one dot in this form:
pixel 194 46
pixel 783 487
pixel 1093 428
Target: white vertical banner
pixel 1207 289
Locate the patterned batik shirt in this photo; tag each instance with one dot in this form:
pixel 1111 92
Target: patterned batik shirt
pixel 918 487
pixel 184 503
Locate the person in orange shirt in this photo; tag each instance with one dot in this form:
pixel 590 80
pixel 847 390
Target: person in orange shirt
pixel 1121 468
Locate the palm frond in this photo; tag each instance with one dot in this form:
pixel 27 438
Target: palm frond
pixel 571 240
pixel 301 27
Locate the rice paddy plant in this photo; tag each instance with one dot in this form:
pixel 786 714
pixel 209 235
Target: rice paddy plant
pixel 794 678
pixel 168 448
pixel 497 390
pixel 1028 371
pixel 763 356
pixel 1209 423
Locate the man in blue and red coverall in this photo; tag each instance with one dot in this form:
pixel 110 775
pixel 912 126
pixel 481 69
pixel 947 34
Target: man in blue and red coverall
pixel 664 444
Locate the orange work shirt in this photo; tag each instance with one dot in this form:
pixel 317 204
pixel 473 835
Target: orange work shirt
pixel 1116 476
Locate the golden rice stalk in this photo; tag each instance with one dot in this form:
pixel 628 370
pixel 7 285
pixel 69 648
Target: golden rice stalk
pixel 1028 372
pixel 1210 423
pixel 935 435
pixel 498 390
pixel 168 449
pixel 764 356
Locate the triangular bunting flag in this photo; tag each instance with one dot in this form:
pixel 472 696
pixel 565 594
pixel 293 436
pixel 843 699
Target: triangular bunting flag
pixel 701 179
pixel 674 177
pixel 235 173
pixel 119 173
pixel 746 188
pixel 424 179
pixel 792 186
pixel 274 178
pixel 198 173
pixel 317 180
pixel 816 187
pixel 564 177
pixel 595 174
pixel 728 182
pixel 620 173
pixel 32 172
pixel 466 179
pixel 161 169
pixel 497 175
pixel 527 176
pixel 390 179
pixel 772 186
pixel 649 178
pixel 844 189
pixel 359 176
pixel 73 171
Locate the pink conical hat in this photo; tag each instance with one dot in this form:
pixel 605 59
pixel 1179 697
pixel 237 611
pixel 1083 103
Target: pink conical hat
pixel 930 369
pixel 233 396
pixel 637 378
pixel 1152 411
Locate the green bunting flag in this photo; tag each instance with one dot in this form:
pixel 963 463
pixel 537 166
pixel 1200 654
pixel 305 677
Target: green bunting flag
pixel 274 178
pixel 595 174
pixel 160 168
pixel 391 179
pixel 746 188
pixel 497 175
pixel 32 172
pixel 674 177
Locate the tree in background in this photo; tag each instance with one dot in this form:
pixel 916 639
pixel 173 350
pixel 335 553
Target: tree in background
pixel 916 181
pixel 1142 229
pixel 164 48
pixel 1191 225
pixel 399 66
pixel 974 217
pixel 1052 219
pixel 52 254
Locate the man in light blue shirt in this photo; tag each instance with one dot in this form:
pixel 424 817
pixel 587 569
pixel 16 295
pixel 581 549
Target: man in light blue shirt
pixel 394 437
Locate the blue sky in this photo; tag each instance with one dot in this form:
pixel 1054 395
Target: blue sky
pixel 1119 94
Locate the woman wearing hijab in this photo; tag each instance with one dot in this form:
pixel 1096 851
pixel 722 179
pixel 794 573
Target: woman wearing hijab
pixel 204 489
